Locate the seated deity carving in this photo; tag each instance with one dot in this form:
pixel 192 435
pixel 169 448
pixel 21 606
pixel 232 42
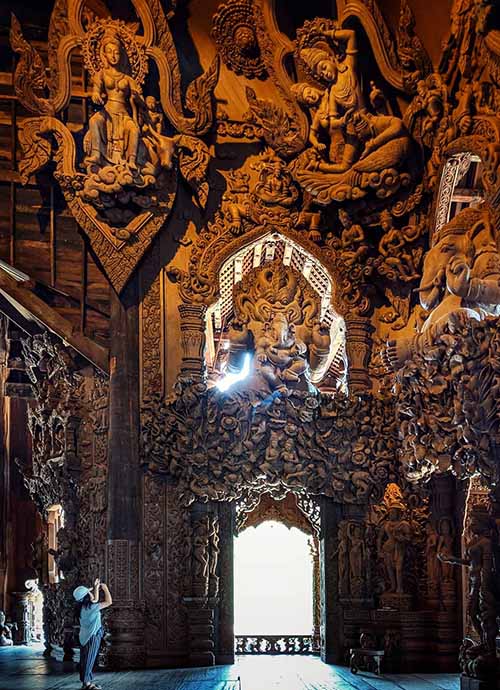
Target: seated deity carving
pixel 460 281
pixel 124 145
pixel 277 322
pixel 352 150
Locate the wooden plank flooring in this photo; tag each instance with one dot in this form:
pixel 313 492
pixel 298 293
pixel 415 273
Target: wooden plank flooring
pixel 24 668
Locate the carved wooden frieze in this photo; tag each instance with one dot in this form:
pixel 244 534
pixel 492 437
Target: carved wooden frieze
pixel 303 442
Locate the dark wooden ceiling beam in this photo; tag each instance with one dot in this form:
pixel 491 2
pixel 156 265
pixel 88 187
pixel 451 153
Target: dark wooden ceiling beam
pixel 30 307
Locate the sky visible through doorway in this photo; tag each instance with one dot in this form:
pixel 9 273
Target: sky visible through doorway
pixel 273 581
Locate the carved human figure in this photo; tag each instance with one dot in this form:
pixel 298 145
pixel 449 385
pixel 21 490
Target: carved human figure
pixel 445 548
pixel 113 135
pixel 213 539
pixel 353 242
pixel 280 356
pixel 393 246
pixel 342 96
pixel 480 559
pixel 342 553
pixel 460 281
pixel 431 551
pixel 5 632
pixel 308 96
pixel 393 538
pixel 200 549
pixel 357 558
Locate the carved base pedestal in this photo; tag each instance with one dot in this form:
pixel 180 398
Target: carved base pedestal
pixel 396 602
pixel 200 612
pixel 23 633
pixel 467 683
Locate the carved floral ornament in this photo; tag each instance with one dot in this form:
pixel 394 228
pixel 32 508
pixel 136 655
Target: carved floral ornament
pixel 128 186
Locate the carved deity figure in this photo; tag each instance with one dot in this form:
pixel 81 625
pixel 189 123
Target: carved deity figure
pixel 460 281
pixel 357 558
pixel 394 535
pixel 5 632
pixel 431 551
pixel 338 69
pixel 481 555
pixel 280 355
pixel 445 548
pixel 277 322
pixel 113 135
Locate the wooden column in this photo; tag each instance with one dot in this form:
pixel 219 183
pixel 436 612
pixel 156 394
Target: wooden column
pixel 331 612
pixel 224 615
pixel 123 557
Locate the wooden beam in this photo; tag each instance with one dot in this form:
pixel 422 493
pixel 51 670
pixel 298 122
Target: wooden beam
pixel 20 295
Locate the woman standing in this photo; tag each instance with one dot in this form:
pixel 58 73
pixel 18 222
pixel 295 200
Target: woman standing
pixel 91 632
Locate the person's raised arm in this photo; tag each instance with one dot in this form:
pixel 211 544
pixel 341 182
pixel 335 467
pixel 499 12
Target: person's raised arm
pixel 107 597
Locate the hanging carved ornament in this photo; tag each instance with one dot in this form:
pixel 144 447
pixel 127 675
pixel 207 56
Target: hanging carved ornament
pixel 128 186
pixel 234 32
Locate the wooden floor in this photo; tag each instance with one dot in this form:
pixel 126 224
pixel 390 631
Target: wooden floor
pixel 24 668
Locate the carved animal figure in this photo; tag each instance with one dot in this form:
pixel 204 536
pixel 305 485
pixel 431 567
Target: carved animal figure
pixel 460 281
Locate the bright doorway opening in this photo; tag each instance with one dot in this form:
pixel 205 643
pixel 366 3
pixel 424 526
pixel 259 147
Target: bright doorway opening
pixel 273 576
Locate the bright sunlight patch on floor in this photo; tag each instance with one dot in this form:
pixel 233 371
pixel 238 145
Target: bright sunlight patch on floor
pixel 273 581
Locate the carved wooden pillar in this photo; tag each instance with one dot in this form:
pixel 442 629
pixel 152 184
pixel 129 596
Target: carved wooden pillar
pixel 193 339
pixel 358 346
pixel 224 648
pixel 331 615
pixel 316 594
pixel 447 530
pixel 22 617
pixel 202 600
pixel 123 557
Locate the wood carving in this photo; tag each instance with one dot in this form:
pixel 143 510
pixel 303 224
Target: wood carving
pixel 277 318
pixel 478 660
pixel 460 281
pixel 235 34
pixel 128 188
pixel 267 442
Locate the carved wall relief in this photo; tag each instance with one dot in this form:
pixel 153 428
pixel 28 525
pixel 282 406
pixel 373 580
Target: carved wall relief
pixel 399 526
pixel 235 34
pixel 129 184
pixel 68 422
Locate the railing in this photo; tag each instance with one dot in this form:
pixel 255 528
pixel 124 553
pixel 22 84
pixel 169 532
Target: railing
pixel 276 644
